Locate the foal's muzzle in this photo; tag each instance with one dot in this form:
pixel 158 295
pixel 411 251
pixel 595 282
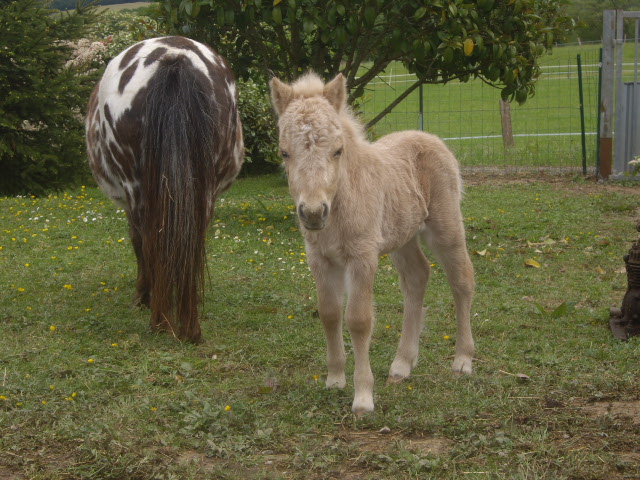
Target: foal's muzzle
pixel 313 217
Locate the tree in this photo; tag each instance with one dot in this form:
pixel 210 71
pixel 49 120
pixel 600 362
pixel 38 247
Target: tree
pixel 42 100
pixel 499 41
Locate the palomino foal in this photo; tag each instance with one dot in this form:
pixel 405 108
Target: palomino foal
pixel 358 200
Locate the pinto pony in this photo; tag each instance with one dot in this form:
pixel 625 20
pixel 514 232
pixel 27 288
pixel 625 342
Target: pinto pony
pixel 164 139
pixel 357 200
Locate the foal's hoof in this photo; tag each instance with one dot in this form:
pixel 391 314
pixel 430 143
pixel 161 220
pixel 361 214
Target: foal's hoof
pixel 362 406
pixel 393 379
pixel 462 366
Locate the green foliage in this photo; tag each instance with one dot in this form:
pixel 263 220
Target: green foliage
pixel 118 30
pixel 43 97
pixel 259 127
pixel 497 40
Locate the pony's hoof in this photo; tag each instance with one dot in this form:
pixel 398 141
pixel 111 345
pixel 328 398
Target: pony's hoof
pixel 360 408
pixel 140 301
pixel 393 379
pixel 336 382
pixel 462 366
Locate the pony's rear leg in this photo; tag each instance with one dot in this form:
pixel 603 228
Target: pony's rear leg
pixel 452 253
pixel 329 280
pixel 142 295
pixel 413 269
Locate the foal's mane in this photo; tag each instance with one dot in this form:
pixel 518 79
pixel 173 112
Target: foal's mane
pixel 311 85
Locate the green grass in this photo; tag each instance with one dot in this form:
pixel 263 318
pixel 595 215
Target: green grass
pixel 87 391
pixel 461 110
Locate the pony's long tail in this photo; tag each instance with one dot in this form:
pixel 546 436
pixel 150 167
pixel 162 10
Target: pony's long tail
pixel 177 172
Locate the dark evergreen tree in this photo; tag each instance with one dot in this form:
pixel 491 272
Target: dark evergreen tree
pixel 42 100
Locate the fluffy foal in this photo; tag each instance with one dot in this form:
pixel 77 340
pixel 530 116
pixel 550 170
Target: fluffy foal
pixel 357 200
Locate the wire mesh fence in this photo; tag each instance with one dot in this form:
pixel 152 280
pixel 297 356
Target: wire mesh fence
pixel 547 129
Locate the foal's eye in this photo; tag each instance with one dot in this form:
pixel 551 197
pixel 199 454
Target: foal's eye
pixel 338 152
pixel 284 154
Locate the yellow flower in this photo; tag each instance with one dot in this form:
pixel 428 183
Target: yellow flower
pixel 227 408
pixel 44 402
pixel 20 289
pixel 52 328
pixel 90 360
pixel 290 317
pixel 2 397
pixel 446 337
pixel 74 395
pixel 114 344
pixel 153 409
pixel 68 287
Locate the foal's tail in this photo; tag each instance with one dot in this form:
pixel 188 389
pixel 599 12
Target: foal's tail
pixel 177 184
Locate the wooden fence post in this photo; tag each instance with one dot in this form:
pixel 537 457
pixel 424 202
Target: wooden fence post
pixel 507 130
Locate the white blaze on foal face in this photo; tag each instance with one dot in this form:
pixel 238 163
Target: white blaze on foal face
pixel 311 146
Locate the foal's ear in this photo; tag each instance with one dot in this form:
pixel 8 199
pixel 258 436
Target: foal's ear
pixel 336 92
pixel 281 95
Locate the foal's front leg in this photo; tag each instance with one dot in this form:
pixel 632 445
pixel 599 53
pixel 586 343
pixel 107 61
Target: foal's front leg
pixel 329 280
pixel 360 278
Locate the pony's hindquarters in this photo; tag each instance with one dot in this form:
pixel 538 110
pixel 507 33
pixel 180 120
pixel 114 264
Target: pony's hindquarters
pixel 164 139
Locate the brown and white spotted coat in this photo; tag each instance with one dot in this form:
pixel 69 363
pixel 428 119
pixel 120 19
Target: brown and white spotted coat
pixel 164 139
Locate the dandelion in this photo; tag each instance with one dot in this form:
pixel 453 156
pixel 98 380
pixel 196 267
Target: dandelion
pixel 316 377
pixel 20 289
pixel 114 344
pixel 153 409
pixel 44 402
pixel 446 337
pixel 90 360
pixel 290 317
pixel 68 286
pixel 2 397
pixel 227 408
pixel 74 395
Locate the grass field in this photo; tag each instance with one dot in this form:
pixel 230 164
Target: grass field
pixel 468 114
pixel 87 391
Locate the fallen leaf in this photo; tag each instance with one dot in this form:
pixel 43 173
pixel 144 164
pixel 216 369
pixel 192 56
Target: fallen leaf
pixel 531 263
pixel 599 270
pixel 482 253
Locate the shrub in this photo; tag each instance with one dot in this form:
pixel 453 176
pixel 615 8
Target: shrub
pixel 43 97
pixel 259 127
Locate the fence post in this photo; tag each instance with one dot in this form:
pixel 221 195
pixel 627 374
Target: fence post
pixel 507 130
pixel 606 102
pixel 582 127
pixel 421 120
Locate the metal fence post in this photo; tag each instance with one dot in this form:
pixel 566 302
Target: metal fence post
pixel 582 127
pixel 421 115
pixel 606 102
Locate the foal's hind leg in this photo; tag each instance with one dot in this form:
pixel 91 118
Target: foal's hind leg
pixel 413 268
pixel 449 246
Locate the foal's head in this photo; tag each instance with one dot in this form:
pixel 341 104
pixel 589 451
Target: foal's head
pixel 312 142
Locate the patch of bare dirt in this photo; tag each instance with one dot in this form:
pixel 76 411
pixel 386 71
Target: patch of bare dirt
pixel 377 442
pixel 625 410
pixel 572 180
